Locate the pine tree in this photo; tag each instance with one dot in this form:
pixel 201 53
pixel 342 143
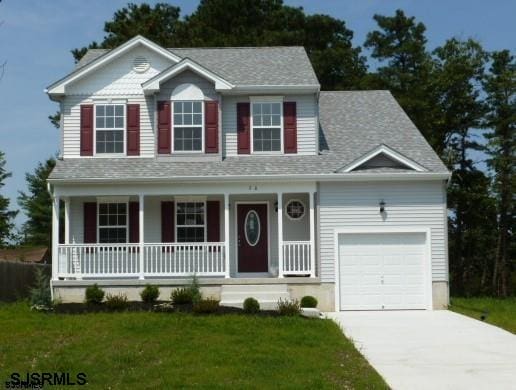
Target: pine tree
pixel 6 216
pixel 500 87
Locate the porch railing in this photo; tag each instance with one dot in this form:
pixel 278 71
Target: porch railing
pixel 117 260
pixel 297 258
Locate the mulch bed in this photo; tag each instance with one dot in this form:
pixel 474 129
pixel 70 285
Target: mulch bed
pixel 160 306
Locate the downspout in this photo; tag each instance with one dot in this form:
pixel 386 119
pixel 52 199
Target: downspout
pixel 50 191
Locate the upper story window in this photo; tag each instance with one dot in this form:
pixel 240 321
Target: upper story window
pixel 266 127
pixel 109 128
pixel 188 126
pixel 112 224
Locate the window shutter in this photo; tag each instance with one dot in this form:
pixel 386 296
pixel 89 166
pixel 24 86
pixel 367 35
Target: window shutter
pixel 290 127
pixel 90 222
pixel 164 127
pixel 87 130
pixel 167 221
pixel 133 129
pixel 213 220
pixel 211 115
pixel 243 128
pixel 134 222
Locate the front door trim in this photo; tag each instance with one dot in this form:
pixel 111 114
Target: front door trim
pixel 265 202
pixel 386 229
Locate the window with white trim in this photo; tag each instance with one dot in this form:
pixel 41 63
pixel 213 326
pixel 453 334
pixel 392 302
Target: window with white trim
pixel 191 221
pixel 267 126
pixel 188 126
pixel 295 209
pixel 109 128
pixel 112 223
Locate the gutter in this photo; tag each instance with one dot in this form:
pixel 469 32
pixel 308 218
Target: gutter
pixel 265 178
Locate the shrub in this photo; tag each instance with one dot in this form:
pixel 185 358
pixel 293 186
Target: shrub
pixel 206 306
pixel 308 301
pixel 117 301
pixel 94 294
pixel 40 292
pixel 181 296
pixel 150 294
pixel 251 306
pixel 288 307
pixel 195 290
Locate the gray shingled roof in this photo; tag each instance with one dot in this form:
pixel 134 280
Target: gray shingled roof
pixel 352 124
pixel 285 65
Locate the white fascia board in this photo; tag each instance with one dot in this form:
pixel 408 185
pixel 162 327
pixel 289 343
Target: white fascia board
pixel 359 177
pixel 384 149
pixel 58 88
pixel 259 89
pixel 153 85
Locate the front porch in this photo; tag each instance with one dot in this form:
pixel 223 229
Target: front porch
pixel 172 235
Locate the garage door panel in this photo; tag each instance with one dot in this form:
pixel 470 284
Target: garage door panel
pixel 382 271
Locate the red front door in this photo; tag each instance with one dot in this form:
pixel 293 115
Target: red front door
pixel 252 238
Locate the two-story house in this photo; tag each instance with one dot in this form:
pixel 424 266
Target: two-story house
pixel 232 164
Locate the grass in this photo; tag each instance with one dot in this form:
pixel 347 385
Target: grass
pixel 500 312
pixel 169 350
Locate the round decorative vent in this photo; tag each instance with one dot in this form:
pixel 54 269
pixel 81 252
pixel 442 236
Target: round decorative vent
pixel 141 64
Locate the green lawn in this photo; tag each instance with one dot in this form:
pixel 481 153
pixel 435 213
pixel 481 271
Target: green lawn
pixel 166 350
pixel 500 312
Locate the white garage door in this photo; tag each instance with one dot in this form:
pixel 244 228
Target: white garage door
pixel 382 271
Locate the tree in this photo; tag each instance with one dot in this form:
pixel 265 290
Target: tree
pixel 158 23
pixel 500 88
pixel 405 69
pixel 459 68
pixel 244 23
pixel 6 216
pixel 37 205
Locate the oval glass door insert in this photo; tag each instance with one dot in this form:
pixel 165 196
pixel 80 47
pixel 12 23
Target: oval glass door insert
pixel 252 228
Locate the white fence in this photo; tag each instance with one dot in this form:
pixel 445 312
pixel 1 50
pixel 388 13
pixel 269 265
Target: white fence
pixel 297 259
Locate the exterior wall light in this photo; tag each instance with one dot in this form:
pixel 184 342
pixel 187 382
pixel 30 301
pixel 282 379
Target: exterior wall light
pixel 382 206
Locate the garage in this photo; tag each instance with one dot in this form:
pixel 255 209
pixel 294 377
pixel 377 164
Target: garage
pixel 383 271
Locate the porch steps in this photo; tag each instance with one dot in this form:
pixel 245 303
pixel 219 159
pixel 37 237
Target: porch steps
pixel 267 295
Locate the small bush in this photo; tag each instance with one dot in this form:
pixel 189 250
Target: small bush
pixel 117 301
pixel 40 292
pixel 94 294
pixel 289 307
pixel 150 293
pixel 251 306
pixel 182 296
pixel 309 301
pixel 206 306
pixel 195 290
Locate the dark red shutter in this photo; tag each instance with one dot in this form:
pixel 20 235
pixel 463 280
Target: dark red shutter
pixel 290 127
pixel 90 222
pixel 213 220
pixel 243 128
pixel 164 127
pixel 87 130
pixel 134 222
pixel 211 115
pixel 133 129
pixel 167 221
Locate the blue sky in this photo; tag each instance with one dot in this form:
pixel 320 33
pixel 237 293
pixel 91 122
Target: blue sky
pixel 36 38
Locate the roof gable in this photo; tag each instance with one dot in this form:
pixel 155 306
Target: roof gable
pixel 153 85
pixel 382 157
pixel 59 87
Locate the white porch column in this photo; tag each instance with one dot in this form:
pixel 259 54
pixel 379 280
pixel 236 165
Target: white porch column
pixel 67 221
pixel 280 234
pixel 226 233
pixel 312 234
pixel 141 224
pixel 55 237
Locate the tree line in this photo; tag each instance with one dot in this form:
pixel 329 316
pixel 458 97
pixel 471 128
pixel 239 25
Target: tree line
pixel 461 96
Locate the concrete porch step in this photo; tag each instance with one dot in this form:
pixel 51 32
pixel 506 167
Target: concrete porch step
pixel 267 295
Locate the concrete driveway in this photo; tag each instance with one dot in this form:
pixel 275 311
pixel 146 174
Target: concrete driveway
pixel 433 349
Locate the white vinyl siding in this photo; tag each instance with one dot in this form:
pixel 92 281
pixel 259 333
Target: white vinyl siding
pixel 306 106
pixel 353 205
pixel 188 77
